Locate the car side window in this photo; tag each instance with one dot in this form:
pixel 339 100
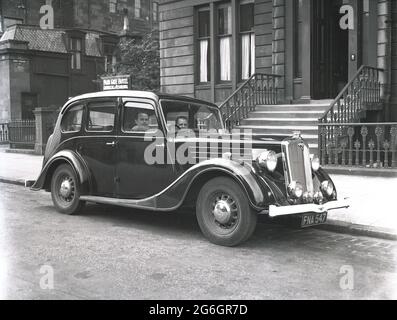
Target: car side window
pixel 101 116
pixel 139 117
pixel 72 119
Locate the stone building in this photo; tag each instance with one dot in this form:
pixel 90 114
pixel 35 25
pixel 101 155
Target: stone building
pixel 42 68
pixel 210 47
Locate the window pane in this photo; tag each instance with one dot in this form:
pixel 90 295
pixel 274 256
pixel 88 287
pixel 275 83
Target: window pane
pixel 224 58
pixel 225 20
pixel 101 116
pixel 245 56
pixel 112 6
pixel 246 17
pixel 155 11
pixel 139 117
pixel 71 121
pixel 137 8
pixel 298 28
pixel 78 60
pixel 204 61
pixel 204 23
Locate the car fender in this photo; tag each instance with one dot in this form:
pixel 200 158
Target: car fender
pixel 64 156
pixel 242 173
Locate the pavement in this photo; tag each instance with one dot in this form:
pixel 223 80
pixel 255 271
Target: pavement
pixel 372 211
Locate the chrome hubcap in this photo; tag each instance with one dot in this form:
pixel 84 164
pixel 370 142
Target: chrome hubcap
pixel 66 189
pixel 222 212
pixel 225 211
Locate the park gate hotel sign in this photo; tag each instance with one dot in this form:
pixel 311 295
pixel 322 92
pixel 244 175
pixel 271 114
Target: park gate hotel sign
pixel 116 83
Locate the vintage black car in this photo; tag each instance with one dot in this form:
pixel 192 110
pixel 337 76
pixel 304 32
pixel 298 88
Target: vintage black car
pixel 160 152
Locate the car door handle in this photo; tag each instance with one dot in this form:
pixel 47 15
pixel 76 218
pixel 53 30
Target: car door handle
pixel 112 144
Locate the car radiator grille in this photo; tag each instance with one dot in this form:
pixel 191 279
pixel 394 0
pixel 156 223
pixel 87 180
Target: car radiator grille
pixel 297 164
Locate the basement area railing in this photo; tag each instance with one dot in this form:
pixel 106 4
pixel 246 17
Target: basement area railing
pixel 259 89
pixel 22 134
pixel 4 133
pixel 368 145
pixel 363 91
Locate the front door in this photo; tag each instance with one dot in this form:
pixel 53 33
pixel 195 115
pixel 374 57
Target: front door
pixel 98 145
pixel 330 50
pixel 29 103
pixel 142 169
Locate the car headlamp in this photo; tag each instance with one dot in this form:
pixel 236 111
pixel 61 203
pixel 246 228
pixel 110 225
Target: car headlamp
pixel 318 197
pixel 327 188
pixel 295 190
pixel 268 159
pixel 315 164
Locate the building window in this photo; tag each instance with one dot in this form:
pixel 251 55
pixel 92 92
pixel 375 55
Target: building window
pixel 110 58
pixel 204 45
pixel 247 40
pixel 298 48
pixel 155 11
pixel 76 51
pixel 224 43
pixel 113 6
pixel 138 8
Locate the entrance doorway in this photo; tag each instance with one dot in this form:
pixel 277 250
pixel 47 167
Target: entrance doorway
pixel 330 50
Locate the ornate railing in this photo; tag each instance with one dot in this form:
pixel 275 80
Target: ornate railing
pixel 370 145
pixel 22 134
pixel 4 133
pixel 364 90
pixel 258 89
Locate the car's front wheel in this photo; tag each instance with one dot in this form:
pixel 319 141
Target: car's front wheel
pixel 65 190
pixel 223 212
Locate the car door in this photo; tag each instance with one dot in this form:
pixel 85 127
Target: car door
pixel 142 169
pixel 98 145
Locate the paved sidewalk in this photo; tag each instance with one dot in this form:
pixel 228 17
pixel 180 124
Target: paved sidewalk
pixel 372 212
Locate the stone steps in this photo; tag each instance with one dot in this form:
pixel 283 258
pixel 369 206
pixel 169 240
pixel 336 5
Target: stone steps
pixel 284 119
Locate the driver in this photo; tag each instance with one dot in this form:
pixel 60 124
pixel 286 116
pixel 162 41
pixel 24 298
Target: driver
pixel 142 122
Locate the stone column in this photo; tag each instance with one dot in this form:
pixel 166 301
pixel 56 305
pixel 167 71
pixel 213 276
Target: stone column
pixel 45 122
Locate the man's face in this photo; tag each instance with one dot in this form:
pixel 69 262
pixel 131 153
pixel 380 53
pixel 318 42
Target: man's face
pixel 182 123
pixel 142 120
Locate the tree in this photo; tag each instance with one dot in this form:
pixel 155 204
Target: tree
pixel 139 58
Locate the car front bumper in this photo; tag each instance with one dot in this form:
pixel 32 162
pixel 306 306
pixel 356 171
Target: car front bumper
pixel 275 211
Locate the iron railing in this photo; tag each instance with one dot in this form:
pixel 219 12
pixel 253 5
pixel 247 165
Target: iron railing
pixel 4 133
pixel 259 89
pixel 370 145
pixel 364 90
pixel 22 134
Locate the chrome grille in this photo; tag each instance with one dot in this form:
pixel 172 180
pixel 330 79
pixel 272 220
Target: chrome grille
pixel 297 165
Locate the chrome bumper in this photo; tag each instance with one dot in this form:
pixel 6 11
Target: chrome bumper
pixel 275 211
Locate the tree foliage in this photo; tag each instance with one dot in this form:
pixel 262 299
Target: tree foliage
pixel 139 58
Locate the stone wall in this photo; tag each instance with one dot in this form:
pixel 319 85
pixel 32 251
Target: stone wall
pixel 263 35
pixel 85 14
pixel 177 53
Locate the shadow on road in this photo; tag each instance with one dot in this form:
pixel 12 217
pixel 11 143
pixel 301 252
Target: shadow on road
pixel 183 222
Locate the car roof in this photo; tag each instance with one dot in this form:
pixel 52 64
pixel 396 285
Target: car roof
pixel 135 94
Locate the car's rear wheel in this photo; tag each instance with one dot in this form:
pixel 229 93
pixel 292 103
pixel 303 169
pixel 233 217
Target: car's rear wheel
pixel 65 190
pixel 223 212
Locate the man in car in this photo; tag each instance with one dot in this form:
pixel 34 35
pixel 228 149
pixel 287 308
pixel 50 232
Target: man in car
pixel 181 123
pixel 141 122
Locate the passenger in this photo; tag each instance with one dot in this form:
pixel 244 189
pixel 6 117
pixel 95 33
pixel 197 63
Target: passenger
pixel 181 123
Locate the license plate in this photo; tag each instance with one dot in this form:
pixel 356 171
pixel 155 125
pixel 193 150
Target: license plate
pixel 313 219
